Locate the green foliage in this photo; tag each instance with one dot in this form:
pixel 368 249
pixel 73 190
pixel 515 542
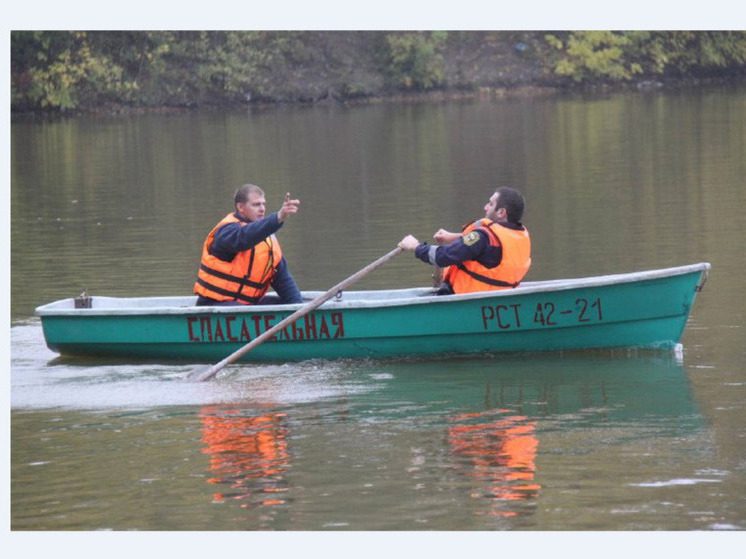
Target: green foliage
pixel 242 64
pixel 61 71
pixel 69 70
pixel 414 59
pixel 594 54
pixel 230 65
pixel 616 56
pixel 683 51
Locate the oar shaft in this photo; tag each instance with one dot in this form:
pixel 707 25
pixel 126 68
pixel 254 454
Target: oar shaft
pixel 320 300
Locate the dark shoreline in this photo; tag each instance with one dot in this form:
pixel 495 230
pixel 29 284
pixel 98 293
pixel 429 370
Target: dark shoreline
pixel 482 93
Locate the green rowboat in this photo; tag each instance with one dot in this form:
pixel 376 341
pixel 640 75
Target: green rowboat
pixel 635 310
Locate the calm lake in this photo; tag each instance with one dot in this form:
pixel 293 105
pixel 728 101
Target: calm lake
pixel 601 441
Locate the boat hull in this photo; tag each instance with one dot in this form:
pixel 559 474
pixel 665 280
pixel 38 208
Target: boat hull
pixel 642 310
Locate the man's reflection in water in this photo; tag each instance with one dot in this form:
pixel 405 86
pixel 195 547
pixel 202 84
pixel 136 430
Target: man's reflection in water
pixel 502 456
pixel 248 454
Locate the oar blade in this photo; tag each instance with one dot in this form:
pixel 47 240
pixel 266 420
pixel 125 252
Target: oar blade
pixel 201 373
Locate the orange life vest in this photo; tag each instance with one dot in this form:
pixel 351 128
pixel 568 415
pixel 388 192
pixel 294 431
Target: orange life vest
pixel 471 276
pixel 246 278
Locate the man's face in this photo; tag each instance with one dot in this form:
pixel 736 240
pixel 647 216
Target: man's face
pixel 490 211
pixel 253 209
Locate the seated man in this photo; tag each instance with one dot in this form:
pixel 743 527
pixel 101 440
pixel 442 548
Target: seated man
pixel 241 257
pixel 491 253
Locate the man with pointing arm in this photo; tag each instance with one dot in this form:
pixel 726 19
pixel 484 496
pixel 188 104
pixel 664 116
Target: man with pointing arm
pixel 242 258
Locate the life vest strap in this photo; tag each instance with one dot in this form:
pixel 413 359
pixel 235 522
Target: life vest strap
pixel 490 233
pixel 232 294
pixel 236 279
pixel 485 279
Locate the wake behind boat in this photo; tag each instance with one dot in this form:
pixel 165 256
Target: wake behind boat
pixel 637 310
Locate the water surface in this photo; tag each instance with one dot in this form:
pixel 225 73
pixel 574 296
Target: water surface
pixel 591 441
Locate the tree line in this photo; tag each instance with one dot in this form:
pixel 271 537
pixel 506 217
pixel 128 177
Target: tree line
pixel 61 71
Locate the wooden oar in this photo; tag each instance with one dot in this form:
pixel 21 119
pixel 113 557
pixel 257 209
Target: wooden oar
pixel 200 375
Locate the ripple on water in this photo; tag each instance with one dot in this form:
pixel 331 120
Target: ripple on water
pixel 40 379
pixel 675 482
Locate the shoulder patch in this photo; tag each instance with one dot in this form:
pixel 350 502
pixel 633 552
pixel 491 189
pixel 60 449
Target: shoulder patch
pixel 471 238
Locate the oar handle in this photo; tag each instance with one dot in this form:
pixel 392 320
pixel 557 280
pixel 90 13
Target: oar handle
pixel 301 312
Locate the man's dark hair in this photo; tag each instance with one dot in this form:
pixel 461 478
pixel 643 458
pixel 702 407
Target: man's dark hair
pixel 512 201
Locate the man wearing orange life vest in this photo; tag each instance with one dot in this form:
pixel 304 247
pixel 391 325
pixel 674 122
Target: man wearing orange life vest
pixel 241 256
pixel 490 254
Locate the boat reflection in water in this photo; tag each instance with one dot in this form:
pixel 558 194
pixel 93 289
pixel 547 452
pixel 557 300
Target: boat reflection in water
pixel 515 424
pixel 248 455
pixel 502 456
pixel 423 435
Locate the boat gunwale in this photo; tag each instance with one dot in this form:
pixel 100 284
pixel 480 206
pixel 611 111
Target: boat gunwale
pixel 426 297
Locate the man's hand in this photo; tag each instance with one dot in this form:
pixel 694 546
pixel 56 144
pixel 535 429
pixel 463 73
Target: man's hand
pixel 289 207
pixel 409 243
pixel 443 237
